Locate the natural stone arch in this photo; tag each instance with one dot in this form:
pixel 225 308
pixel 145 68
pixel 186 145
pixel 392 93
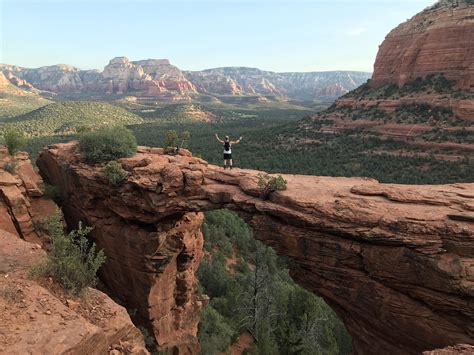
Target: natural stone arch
pixel 394 261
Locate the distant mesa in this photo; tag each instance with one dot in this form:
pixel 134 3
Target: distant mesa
pixel 158 78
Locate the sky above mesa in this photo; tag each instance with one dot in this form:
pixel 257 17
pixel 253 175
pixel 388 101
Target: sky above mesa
pixel 277 35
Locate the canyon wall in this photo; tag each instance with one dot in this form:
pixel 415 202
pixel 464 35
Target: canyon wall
pixel 23 206
pixel 38 316
pixel 394 261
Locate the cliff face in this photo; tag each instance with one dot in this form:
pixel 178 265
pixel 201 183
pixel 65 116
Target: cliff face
pixel 157 78
pixel 23 206
pixel 394 261
pixel 39 318
pixel 440 39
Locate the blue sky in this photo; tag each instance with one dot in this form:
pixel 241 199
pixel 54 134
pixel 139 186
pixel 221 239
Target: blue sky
pixel 290 35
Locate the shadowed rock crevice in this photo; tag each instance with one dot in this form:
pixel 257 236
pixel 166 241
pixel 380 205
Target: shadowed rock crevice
pixel 389 259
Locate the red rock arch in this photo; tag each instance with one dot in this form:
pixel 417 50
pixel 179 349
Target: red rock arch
pixel 394 261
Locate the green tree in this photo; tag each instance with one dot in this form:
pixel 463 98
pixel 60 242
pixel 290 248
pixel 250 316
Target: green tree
pixel 184 138
pixel 215 334
pixel 171 137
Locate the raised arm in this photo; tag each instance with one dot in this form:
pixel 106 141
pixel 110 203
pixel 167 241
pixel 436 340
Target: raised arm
pixel 237 141
pixel 220 140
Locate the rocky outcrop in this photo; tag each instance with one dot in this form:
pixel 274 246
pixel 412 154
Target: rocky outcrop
pixel 439 39
pixel 157 78
pixel 23 207
pixel 394 261
pixel 460 349
pixel 38 318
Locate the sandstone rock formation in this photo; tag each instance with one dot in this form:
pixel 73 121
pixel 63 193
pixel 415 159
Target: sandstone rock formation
pixel 37 320
pixel 23 208
pixel 422 89
pixel 440 39
pixel 394 261
pixel 157 78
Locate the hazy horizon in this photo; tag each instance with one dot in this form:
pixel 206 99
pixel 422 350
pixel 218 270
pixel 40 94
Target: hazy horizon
pixel 278 36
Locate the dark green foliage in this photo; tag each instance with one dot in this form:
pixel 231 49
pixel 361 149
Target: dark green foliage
pixel 114 172
pixel 215 334
pixel 72 261
pixel 269 184
pixel 14 139
pixel 10 166
pixel 107 144
pixel 184 138
pixel 259 297
pixel 431 83
pixel 171 137
pixel 425 113
pixel 51 192
pixel 453 136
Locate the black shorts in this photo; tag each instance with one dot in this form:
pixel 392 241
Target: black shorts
pixel 227 156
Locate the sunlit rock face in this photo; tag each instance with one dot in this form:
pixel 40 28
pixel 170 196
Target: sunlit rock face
pixel 394 261
pixel 23 206
pixel 439 39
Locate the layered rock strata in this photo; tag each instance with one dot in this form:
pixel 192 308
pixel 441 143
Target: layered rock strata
pixel 23 206
pixel 439 39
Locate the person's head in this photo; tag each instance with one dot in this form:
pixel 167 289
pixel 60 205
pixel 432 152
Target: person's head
pixel 226 138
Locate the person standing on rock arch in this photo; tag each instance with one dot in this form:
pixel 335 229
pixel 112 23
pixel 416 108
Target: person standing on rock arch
pixel 228 150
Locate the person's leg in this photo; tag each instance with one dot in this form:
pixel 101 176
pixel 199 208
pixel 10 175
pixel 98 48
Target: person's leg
pixel 225 163
pixel 230 163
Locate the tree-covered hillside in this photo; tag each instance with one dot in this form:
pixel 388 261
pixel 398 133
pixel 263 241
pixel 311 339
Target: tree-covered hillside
pixel 15 101
pixel 69 117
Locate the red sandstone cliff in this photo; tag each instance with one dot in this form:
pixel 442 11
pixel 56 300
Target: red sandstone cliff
pixel 38 318
pixel 439 39
pixel 394 261
pixel 422 88
pixel 22 204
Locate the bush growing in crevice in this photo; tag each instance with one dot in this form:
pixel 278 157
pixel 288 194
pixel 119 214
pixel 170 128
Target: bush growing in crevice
pixel 51 192
pixel 114 172
pixel 269 184
pixel 10 166
pixel 72 261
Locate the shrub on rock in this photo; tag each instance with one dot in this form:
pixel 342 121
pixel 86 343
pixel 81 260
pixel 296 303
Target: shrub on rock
pixel 72 261
pixel 269 184
pixel 114 172
pixel 14 140
pixel 107 144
